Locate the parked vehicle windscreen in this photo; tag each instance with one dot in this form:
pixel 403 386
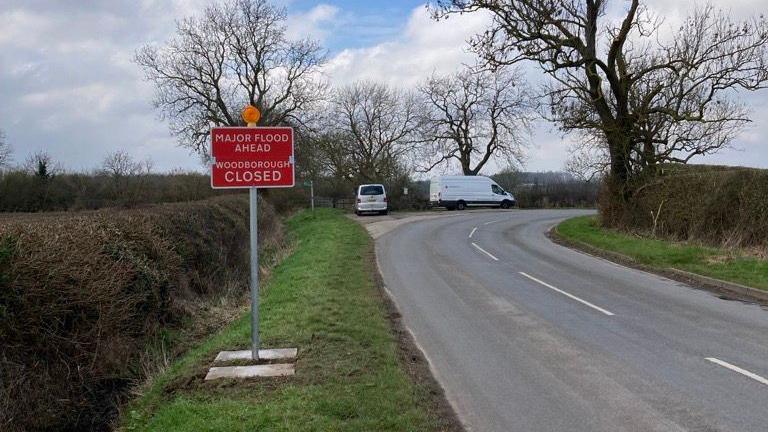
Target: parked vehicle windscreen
pixel 371 190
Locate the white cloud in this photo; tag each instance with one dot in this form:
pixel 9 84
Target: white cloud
pixel 681 8
pixel 69 85
pixel 315 23
pixel 424 46
pixel 70 88
pixel 15 25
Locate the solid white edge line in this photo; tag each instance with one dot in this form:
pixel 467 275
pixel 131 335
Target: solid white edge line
pixel 597 308
pixel 473 231
pixel 734 368
pixel 484 251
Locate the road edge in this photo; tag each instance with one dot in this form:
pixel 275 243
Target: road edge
pixel 725 290
pixel 411 356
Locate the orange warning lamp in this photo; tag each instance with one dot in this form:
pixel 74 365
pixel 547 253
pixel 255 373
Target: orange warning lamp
pixel 251 114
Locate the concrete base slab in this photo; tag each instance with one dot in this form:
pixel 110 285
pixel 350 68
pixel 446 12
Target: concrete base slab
pixel 264 354
pixel 265 370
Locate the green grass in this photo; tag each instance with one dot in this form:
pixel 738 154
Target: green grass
pixel 321 299
pixel 728 265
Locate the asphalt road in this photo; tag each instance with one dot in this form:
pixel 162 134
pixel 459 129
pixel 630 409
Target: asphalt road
pixel 527 335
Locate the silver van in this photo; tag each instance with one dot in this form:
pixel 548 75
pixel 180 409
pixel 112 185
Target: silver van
pixel 371 198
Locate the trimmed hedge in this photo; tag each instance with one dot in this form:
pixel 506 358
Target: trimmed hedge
pixel 24 192
pixel 83 296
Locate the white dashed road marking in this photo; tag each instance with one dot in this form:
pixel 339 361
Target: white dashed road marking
pixel 484 251
pixel 598 308
pixel 734 368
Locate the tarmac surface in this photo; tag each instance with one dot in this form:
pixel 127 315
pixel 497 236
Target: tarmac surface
pixel 528 335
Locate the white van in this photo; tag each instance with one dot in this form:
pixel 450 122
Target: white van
pixel 460 192
pixel 371 198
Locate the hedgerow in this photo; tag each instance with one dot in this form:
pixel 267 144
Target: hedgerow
pixel 723 206
pixel 85 296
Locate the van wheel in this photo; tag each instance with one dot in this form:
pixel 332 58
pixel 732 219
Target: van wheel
pixel 384 213
pixel 461 205
pixel 505 204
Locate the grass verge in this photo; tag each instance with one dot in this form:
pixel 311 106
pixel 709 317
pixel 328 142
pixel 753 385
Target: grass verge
pixel 322 299
pixel 724 264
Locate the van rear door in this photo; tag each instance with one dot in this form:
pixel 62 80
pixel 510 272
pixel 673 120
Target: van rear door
pixel 372 198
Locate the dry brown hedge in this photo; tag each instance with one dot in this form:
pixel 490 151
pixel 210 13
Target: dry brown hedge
pixel 724 206
pixel 82 295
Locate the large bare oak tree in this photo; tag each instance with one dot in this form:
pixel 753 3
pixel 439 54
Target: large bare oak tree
pixel 645 98
pixel 475 116
pixel 236 52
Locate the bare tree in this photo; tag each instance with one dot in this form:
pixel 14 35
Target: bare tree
pixel 588 159
pixel 332 155
pixel 236 52
pixel 122 164
pixel 41 165
pixel 6 152
pixel 475 117
pixel 646 98
pixel 375 127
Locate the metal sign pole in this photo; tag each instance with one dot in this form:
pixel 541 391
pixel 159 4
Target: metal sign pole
pixel 225 175
pixel 312 193
pixel 254 204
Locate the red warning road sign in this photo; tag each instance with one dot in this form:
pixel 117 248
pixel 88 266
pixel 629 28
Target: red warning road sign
pixel 247 157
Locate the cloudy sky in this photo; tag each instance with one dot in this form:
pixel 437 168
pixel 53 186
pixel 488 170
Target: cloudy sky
pixel 68 85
